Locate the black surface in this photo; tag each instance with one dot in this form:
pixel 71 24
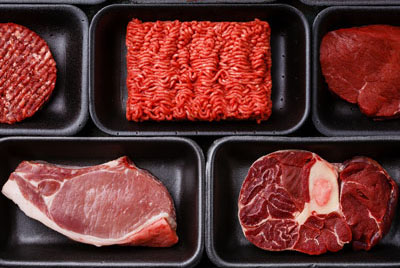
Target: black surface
pixel 290 68
pixel 288 259
pixel 65 29
pixel 228 162
pixel 333 116
pixel 177 162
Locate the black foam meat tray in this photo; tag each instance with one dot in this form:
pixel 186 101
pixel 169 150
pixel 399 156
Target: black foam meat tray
pixel 228 162
pixel 290 68
pixel 202 1
pixel 177 162
pixel 349 2
pixel 331 115
pixel 81 2
pixel 65 29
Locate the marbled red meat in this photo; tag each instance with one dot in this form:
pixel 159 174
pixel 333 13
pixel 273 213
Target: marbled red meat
pixel 27 72
pixel 368 198
pixel 292 200
pixel 279 209
pixel 111 203
pixel 361 66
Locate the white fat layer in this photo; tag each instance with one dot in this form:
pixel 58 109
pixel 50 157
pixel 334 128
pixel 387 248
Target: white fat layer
pixel 12 191
pixel 112 164
pixel 321 170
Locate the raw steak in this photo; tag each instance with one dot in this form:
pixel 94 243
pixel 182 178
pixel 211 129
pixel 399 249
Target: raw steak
pixel 27 72
pixel 294 200
pixel 361 65
pixel 112 203
pixel 368 198
pixel 290 200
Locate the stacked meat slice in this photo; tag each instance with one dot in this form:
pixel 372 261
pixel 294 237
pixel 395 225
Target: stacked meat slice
pixel 295 200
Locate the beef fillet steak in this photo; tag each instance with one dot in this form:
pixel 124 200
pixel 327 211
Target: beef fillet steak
pixel 361 65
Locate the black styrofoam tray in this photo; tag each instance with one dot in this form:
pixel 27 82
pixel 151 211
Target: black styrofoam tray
pixel 65 29
pixel 331 115
pixel 177 162
pixel 350 2
pixel 290 68
pixel 81 2
pixel 227 165
pixel 202 1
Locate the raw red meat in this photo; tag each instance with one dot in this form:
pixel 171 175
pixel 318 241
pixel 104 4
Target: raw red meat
pixel 361 65
pixel 111 203
pixel 368 198
pixel 198 70
pixel 27 72
pixel 290 201
pixel 282 204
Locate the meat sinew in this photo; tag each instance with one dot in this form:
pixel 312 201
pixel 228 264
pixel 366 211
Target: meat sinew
pixel 361 66
pixel 111 203
pixel 292 200
pixel 27 72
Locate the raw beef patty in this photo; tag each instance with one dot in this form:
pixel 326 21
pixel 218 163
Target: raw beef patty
pixel 27 72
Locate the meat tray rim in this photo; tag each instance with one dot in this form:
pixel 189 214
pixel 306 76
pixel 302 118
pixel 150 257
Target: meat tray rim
pixel 348 2
pixel 79 2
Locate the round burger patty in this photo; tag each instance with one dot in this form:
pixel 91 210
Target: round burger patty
pixel 27 72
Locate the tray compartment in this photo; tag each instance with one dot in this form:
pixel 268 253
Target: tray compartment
pixel 331 115
pixel 177 162
pixel 228 162
pixel 65 29
pixel 290 68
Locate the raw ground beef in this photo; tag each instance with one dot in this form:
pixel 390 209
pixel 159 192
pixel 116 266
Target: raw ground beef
pixel 198 70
